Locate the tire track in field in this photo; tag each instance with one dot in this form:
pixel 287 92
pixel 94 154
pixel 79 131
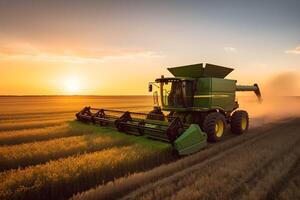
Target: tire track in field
pixel 278 186
pixel 212 152
pixel 265 187
pixel 289 189
pixel 199 165
pixel 259 174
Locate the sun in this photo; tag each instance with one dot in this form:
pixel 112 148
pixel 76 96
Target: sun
pixel 72 85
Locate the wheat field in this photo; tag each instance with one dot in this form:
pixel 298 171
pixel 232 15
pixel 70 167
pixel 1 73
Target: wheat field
pixel 46 154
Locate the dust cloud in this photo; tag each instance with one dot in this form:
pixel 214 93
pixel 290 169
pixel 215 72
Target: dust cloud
pixel 284 84
pixel 281 100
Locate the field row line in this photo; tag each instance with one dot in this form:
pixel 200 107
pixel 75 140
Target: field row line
pixel 15 137
pixel 45 118
pixel 29 125
pixel 34 115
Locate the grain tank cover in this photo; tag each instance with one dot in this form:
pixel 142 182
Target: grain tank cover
pixel 198 71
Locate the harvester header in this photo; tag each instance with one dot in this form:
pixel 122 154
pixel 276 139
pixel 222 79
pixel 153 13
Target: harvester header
pixel 191 108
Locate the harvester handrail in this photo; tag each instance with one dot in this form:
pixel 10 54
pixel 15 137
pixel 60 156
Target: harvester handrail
pixel 135 113
pixel 149 121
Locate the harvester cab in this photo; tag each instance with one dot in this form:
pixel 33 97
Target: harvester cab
pixel 191 108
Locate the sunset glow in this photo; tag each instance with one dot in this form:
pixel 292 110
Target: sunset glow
pixel 118 48
pixel 72 86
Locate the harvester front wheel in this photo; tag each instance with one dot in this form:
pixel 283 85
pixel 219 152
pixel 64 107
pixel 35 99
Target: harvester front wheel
pixel 239 122
pixel 214 126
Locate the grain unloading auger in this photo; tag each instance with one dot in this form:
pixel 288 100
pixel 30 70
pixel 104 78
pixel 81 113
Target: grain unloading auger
pixel 200 103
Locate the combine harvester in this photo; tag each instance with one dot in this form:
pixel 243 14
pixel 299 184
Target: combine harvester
pixel 200 103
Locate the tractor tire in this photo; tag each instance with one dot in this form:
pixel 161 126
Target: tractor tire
pixel 214 125
pixel 239 122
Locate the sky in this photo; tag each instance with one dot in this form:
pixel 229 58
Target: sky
pixel 117 47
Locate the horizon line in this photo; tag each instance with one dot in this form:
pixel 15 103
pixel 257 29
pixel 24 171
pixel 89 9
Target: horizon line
pixel 55 95
pixel 91 95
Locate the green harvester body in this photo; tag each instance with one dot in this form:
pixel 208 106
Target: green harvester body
pixel 189 97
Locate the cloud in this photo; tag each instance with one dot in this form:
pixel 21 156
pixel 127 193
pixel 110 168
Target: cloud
pixel 230 49
pixel 294 51
pixel 84 55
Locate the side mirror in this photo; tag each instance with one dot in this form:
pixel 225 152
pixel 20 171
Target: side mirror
pixel 150 87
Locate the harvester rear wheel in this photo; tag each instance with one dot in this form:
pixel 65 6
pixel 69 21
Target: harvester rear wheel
pixel 214 125
pixel 239 122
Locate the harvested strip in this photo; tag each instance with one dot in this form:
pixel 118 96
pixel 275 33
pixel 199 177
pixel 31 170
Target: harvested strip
pixel 203 181
pixel 119 187
pixel 22 155
pixel 63 177
pixel 266 187
pixel 29 125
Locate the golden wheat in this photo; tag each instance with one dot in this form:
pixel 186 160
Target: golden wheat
pixel 39 152
pixel 63 177
pixel 119 187
pixel 28 125
pixel 36 115
pixel 37 119
pixel 38 134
